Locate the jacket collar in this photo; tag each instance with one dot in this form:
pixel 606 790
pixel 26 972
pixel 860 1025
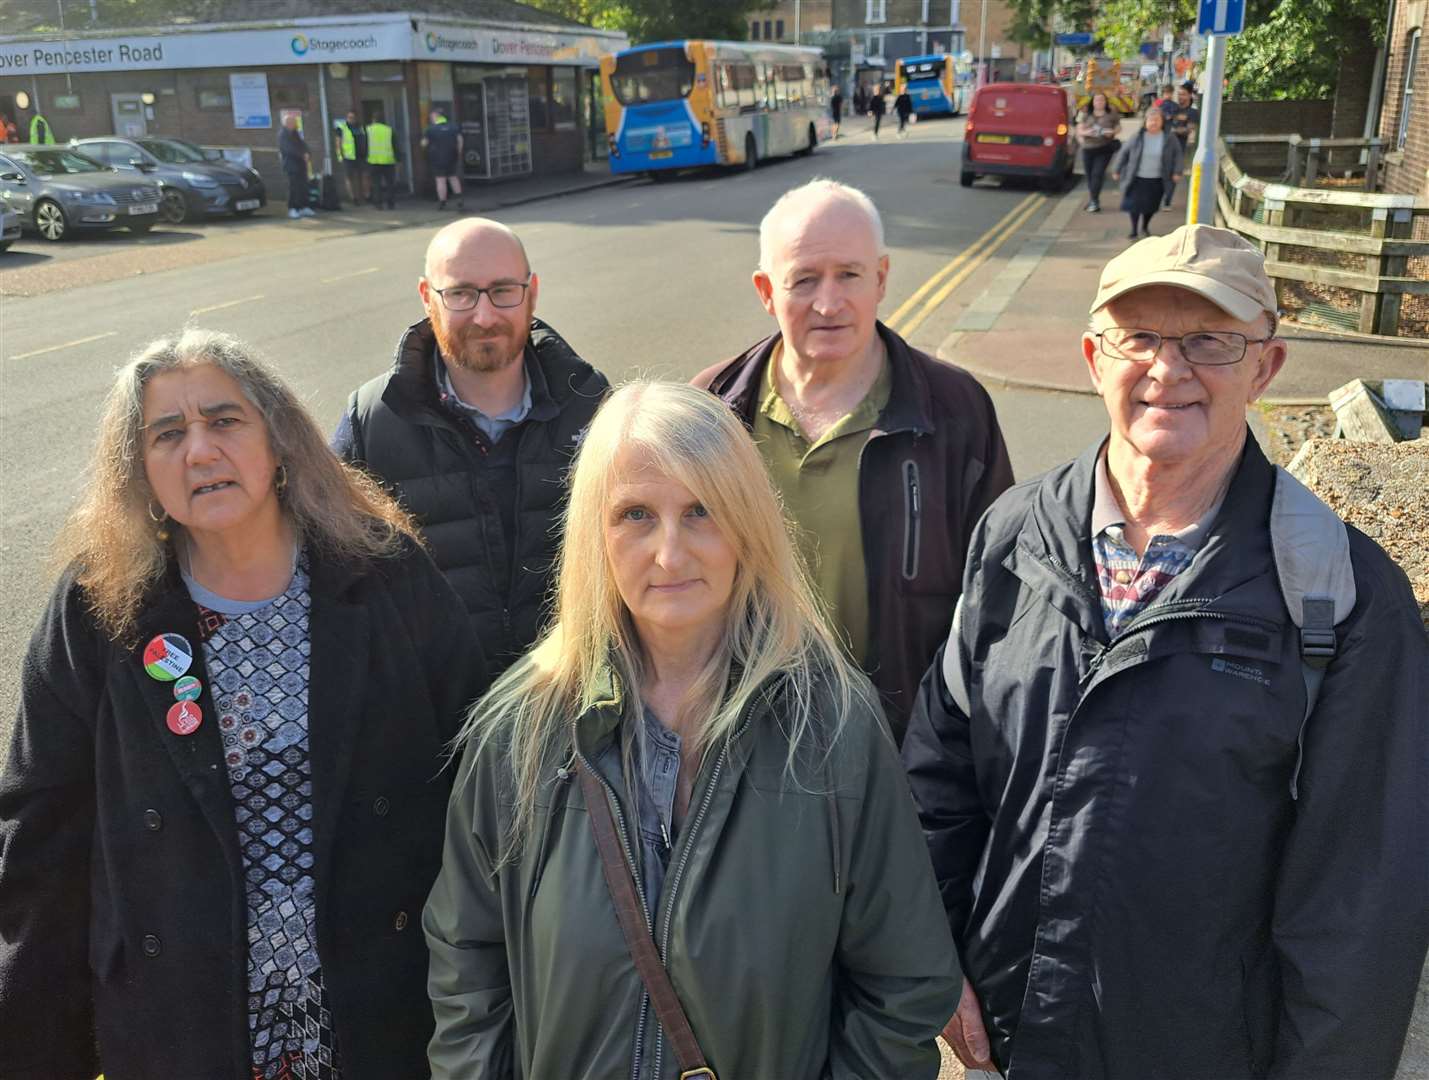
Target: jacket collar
pixel 552 366
pixel 1054 552
pixel 740 385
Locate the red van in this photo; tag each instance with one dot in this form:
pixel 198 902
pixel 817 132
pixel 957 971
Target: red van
pixel 1020 129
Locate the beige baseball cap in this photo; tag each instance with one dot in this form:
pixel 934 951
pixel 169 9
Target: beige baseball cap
pixel 1218 264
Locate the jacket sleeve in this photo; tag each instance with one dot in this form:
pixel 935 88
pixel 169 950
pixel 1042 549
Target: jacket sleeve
pixel 898 975
pixel 47 813
pixel 468 979
pixel 347 439
pixel 1351 915
pixel 937 752
pixel 996 473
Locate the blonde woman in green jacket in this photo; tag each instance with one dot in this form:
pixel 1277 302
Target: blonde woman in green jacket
pixel 756 792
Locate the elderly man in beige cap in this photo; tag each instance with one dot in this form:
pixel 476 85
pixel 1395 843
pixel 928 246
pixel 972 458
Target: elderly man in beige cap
pixel 1171 763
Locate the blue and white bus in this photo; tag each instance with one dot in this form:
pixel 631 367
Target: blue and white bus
pixel 682 104
pixel 932 82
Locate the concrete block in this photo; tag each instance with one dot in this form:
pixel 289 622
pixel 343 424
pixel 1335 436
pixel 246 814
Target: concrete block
pixel 1360 414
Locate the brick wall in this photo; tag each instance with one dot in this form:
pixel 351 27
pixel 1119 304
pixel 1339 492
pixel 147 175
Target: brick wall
pixel 1407 172
pixel 1312 119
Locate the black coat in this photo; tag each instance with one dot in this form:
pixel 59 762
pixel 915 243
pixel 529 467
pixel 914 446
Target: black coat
pixel 932 464
pixel 1135 889
pixel 122 899
pixel 431 458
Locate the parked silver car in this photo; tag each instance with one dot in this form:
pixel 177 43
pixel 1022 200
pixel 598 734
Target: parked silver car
pixel 193 185
pixel 58 191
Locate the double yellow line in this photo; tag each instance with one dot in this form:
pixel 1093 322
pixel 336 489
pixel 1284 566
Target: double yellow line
pixel 961 268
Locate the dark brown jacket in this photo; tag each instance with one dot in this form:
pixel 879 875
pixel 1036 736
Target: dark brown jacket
pixel 933 463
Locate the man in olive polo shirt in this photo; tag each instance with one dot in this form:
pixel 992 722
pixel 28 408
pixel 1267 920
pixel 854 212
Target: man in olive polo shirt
pixel 885 457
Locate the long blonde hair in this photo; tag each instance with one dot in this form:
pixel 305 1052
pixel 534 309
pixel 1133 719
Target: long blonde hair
pixel 773 624
pixel 112 537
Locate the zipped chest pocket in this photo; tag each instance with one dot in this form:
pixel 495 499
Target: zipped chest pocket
pixel 912 519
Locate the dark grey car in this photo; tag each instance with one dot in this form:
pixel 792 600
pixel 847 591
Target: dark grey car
pixel 58 191
pixel 193 185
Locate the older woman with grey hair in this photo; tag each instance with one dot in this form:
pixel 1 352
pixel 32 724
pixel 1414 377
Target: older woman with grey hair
pixel 223 805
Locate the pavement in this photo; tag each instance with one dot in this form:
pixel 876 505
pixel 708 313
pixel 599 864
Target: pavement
pixel 1025 328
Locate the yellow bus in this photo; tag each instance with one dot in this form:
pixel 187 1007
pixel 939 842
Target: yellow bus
pixel 682 104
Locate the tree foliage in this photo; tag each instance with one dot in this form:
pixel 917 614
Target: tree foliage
pixel 1123 25
pixel 1293 48
pixel 659 20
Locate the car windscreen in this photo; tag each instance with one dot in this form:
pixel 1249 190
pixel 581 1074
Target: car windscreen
pixel 652 75
pixel 58 162
pixel 172 152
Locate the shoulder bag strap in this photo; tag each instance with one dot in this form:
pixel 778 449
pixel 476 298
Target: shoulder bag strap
pixel 631 913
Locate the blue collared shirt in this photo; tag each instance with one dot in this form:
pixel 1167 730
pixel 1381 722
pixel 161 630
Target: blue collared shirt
pixel 493 427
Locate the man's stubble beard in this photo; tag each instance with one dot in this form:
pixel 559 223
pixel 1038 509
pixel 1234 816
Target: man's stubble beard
pixel 478 351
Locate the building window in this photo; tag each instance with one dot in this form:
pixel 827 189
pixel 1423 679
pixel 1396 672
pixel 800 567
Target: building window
pixel 875 11
pixel 563 98
pixel 288 95
pixel 213 99
pixel 779 29
pixel 768 28
pixel 753 29
pixel 875 45
pixel 538 93
pixel 1406 104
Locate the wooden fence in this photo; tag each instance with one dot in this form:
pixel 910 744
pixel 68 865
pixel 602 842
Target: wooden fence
pixel 1344 258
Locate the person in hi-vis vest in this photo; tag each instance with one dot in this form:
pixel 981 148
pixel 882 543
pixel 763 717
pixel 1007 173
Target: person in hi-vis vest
pixel 382 162
pixel 352 152
pixel 40 131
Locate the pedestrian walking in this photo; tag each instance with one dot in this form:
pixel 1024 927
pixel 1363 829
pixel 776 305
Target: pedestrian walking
pixel 293 151
pixel 877 106
pixel 860 99
pixel 903 106
pixel 352 154
pixel 1144 166
pixel 1183 120
pixel 1171 762
pixel 474 427
pixel 1097 128
pixel 687 736
pixel 443 142
pixel 224 798
pixel 382 163
pixel 883 456
pixel 836 108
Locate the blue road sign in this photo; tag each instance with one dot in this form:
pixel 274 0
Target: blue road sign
pixel 1221 17
pixel 1081 37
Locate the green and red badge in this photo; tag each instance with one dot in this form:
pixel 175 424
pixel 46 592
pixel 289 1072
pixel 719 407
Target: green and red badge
pixel 168 656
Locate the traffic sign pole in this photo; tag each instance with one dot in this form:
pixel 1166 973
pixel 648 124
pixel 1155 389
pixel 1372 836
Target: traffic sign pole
pixel 1201 206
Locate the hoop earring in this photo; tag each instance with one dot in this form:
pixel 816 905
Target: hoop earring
pixel 160 519
pixel 280 480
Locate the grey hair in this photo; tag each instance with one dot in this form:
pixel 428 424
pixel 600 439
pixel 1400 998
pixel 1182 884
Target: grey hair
pixel 810 192
pixel 111 536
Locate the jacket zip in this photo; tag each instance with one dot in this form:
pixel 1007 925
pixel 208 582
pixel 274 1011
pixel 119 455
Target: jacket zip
pixel 1155 620
pixel 912 519
pixel 635 872
pixel 689 842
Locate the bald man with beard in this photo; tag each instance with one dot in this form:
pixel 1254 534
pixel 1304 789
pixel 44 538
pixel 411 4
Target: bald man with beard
pixel 474 426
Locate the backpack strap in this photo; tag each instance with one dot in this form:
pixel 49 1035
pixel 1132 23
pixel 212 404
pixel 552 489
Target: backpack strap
pixel 1317 581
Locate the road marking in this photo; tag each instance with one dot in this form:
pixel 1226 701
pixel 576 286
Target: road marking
pixel 992 244
pixel 344 277
pixel 957 260
pixel 66 345
pixel 225 304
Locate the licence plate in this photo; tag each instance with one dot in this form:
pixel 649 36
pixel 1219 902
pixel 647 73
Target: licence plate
pixel 662 153
pixel 144 208
pixel 995 138
pixel 246 204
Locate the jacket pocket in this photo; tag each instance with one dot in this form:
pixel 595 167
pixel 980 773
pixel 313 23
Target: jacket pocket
pixel 912 519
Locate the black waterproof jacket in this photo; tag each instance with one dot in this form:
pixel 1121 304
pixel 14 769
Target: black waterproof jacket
pixel 932 464
pixel 1136 889
pixel 429 456
pixel 123 912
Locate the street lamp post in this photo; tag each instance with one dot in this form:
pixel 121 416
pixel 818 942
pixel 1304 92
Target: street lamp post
pixel 1201 206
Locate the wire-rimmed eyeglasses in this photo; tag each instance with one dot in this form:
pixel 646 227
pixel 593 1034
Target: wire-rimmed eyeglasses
pixel 507 294
pixel 1206 348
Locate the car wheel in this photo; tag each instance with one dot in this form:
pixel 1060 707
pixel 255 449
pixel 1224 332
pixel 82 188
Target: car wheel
pixel 140 226
pixel 751 154
pixel 50 220
pixel 174 207
pixel 966 178
pixel 813 142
